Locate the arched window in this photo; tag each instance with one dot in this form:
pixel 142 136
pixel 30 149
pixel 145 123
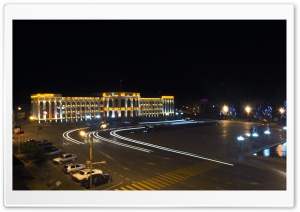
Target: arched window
pixel 122 102
pixel 128 103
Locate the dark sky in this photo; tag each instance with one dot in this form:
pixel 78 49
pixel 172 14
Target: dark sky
pixel 190 59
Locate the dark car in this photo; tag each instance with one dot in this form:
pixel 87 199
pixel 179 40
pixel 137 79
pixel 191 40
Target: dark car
pixel 44 144
pixel 97 179
pixel 52 151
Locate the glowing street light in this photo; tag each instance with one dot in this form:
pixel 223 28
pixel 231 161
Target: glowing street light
pixel 225 110
pixel 281 110
pixel 248 109
pixel 83 133
pixel 90 164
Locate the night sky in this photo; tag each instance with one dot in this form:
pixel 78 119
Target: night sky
pixel 189 59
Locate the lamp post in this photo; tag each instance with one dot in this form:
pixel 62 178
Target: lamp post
pixel 225 110
pixel 281 111
pixel 248 110
pixel 82 133
pixel 90 164
pixel 91 160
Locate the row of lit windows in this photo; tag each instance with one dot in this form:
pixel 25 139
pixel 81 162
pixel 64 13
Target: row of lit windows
pixel 63 103
pixel 68 111
pixel 80 105
pixel 152 104
pixel 80 98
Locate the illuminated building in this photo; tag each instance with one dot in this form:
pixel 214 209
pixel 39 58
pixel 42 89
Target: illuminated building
pixel 55 107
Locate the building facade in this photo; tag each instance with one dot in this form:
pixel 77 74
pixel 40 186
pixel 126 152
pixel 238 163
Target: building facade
pixel 55 107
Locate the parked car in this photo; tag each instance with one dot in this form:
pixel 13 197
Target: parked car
pixel 84 174
pixel 44 144
pixel 52 151
pixel 97 179
pixel 70 168
pixel 65 158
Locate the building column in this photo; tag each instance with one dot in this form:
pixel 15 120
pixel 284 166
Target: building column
pixel 131 107
pixel 38 111
pixel 60 111
pixel 49 111
pixel 139 105
pixel 125 106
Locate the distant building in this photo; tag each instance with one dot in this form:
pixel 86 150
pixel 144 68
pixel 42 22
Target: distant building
pixel 55 107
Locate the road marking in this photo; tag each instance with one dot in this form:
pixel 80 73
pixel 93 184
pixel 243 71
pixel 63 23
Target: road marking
pixel 151 184
pixel 130 187
pixel 167 179
pixel 173 177
pixel 114 186
pixel 142 184
pixel 106 155
pixel 162 182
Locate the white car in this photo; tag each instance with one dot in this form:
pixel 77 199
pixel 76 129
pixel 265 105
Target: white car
pixel 65 158
pixel 72 168
pixel 84 174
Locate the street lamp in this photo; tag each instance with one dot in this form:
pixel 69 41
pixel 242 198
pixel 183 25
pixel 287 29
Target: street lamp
pixel 225 110
pixel 248 110
pixel 281 111
pixel 90 164
pixel 82 133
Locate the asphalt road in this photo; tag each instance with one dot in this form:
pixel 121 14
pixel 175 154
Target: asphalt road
pixel 177 157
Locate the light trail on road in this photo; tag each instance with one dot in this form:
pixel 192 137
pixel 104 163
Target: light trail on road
pixel 97 136
pixel 113 133
pixel 67 137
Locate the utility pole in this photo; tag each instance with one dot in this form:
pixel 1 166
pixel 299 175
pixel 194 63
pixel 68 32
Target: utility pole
pixel 91 161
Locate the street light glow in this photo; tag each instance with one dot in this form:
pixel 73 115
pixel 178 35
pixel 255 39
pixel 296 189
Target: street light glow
pixel 248 109
pixel 281 110
pixel 225 108
pixel 82 133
